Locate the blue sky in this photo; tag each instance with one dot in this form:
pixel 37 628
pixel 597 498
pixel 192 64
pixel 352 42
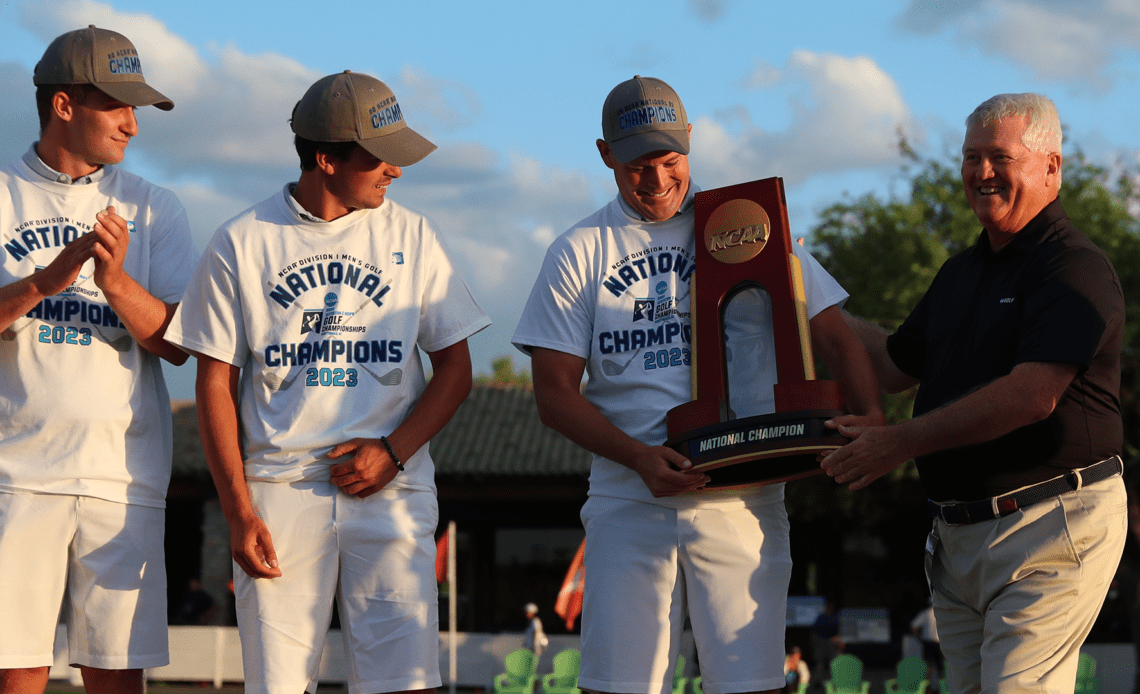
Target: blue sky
pixel 816 92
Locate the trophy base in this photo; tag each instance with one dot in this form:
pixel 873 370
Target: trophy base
pixel 759 450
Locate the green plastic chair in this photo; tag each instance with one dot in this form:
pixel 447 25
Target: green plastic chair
pixel 679 679
pixel 520 675
pixel 846 676
pixel 1087 682
pixel 911 678
pixel 564 679
pixel 698 688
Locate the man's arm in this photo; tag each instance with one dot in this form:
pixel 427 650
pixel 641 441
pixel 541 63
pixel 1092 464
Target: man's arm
pixel 1026 395
pixel 562 407
pixel 144 316
pixel 849 364
pixel 371 467
pixel 874 339
pixel 21 296
pixel 216 390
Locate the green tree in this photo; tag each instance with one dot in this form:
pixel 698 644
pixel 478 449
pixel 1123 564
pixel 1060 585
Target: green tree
pixel 503 375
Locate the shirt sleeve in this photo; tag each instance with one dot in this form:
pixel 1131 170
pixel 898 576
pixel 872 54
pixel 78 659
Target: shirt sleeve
pixel 1067 316
pixel 448 311
pixel 172 251
pixel 820 288
pixel 210 318
pixel 907 345
pixel 559 314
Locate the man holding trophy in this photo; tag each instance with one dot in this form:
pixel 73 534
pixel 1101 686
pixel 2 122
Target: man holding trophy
pixel 613 301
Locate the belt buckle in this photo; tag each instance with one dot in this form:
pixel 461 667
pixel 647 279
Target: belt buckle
pixel 1003 506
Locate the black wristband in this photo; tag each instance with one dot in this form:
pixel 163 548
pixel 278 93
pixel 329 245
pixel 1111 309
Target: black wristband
pixel 395 458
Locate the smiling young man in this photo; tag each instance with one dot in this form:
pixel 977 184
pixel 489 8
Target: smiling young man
pixel 94 260
pixel 612 299
pixel 307 315
pixel 1016 430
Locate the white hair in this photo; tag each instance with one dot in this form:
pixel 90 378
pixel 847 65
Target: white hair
pixel 1043 132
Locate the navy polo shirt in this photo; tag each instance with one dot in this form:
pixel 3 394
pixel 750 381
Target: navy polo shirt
pixel 1050 295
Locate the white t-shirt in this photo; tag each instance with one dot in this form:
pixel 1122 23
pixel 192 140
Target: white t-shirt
pixel 614 290
pixel 83 409
pixel 324 319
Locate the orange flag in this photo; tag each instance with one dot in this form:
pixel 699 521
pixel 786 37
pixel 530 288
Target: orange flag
pixel 569 603
pixel 441 559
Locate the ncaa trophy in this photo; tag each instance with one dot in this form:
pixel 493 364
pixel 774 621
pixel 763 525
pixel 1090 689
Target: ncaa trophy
pixel 743 243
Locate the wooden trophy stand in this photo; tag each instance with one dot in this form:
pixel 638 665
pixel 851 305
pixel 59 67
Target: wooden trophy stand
pixel 740 246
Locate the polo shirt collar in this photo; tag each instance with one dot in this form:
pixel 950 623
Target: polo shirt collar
pixel 1030 236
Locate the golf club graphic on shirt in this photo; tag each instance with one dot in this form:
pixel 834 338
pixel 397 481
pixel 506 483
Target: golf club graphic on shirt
pixel 392 378
pixel 612 368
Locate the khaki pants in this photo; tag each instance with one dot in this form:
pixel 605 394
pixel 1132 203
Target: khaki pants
pixel 1015 597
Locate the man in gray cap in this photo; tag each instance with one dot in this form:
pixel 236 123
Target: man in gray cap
pixel 94 261
pixel 313 306
pixel 612 297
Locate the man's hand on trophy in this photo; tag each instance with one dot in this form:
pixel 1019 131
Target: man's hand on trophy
pixel 873 451
pixel 666 472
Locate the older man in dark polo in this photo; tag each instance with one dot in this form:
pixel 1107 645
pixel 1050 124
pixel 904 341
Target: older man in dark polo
pixel 1016 429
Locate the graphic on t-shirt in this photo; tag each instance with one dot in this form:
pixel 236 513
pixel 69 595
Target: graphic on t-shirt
pixel 648 264
pixel 43 234
pixel 311 321
pixel 334 328
pixel 76 316
pixel 664 341
pixel 643 309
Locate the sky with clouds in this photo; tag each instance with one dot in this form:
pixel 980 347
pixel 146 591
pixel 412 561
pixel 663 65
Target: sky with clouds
pixel 817 92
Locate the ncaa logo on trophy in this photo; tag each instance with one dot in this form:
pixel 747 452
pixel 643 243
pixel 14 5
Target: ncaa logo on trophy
pixel 744 244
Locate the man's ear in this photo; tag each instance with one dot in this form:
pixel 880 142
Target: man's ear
pixel 1055 163
pixel 326 163
pixel 607 154
pixel 62 106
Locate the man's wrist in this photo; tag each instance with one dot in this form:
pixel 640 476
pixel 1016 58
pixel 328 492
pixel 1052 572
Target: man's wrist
pixel 392 453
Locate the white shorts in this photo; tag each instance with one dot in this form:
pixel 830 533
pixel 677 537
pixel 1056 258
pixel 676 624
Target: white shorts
pixel 106 557
pixel 730 565
pixel 375 556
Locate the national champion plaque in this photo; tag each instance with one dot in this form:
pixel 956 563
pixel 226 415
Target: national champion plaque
pixel 744 245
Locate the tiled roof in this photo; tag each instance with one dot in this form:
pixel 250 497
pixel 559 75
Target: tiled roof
pixel 496 431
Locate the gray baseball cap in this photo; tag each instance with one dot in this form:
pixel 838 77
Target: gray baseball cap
pixel 353 107
pixel 644 115
pixel 102 58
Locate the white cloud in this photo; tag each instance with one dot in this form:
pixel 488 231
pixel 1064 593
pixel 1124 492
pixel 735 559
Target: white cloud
pixel 847 114
pixel 544 234
pixel 167 59
pixel 765 74
pixel 1075 41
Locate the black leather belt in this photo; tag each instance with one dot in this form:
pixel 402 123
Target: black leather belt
pixel 999 506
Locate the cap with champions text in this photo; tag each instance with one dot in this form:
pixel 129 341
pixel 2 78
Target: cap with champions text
pixel 644 115
pixel 353 107
pixel 102 58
